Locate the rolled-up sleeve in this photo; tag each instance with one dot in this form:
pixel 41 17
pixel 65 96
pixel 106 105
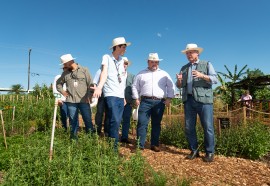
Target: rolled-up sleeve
pixel 170 87
pixel 212 74
pixel 136 87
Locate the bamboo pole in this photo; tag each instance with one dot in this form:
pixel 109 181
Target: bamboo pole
pixel 3 127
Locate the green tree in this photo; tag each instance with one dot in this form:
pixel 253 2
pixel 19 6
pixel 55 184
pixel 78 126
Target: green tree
pixel 42 91
pixel 233 77
pixel 16 89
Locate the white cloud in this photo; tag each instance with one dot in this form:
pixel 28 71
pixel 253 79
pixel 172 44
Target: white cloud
pixel 159 34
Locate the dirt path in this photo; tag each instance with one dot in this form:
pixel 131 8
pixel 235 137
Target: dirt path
pixel 223 171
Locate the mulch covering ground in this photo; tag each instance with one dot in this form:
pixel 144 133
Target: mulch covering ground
pixel 223 171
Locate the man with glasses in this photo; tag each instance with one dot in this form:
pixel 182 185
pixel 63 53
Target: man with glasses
pixel 196 79
pixel 112 83
pixel 78 93
pixel 152 89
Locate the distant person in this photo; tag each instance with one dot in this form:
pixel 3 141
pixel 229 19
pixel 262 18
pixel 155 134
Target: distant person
pixel 196 79
pixel 129 102
pixel 78 93
pixel 112 83
pixel 246 100
pixel 152 89
pixel 101 109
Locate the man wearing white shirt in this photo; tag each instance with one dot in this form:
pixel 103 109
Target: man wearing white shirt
pixel 112 83
pixel 152 89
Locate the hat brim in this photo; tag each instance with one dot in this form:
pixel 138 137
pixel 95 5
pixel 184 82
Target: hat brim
pixel 127 43
pixel 67 61
pixel 198 49
pixel 154 59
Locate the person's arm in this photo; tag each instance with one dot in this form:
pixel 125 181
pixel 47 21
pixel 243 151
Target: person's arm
pixel 135 90
pixel 102 80
pixel 170 90
pixel 59 85
pixel 212 75
pixel 179 78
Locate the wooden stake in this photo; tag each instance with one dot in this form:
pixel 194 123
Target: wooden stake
pixel 3 126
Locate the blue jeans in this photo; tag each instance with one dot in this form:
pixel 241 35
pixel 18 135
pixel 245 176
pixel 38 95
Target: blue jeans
pixel 73 109
pixel 126 121
pixel 155 109
pixel 64 115
pixel 101 108
pixel 115 107
pixel 205 112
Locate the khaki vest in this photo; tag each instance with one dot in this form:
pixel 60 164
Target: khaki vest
pixel 201 90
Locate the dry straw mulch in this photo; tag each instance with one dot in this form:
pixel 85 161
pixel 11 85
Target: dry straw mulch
pixel 223 171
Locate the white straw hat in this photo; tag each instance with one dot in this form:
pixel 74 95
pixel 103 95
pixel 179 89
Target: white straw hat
pixel 154 57
pixel 192 46
pixel 126 60
pixel 66 58
pixel 119 41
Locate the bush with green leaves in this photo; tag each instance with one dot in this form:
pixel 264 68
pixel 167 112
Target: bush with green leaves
pixel 252 141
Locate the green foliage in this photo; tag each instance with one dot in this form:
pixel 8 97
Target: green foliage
pixel 43 91
pixel 90 161
pixel 263 94
pixel 250 142
pixel 16 89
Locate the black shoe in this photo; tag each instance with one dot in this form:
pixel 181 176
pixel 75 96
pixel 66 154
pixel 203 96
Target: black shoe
pixel 209 157
pixel 193 155
pixel 125 141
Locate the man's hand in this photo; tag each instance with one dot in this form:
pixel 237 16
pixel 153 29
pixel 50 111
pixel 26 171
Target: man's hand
pixel 179 77
pixel 65 94
pixel 60 102
pixel 97 92
pixel 137 102
pixel 167 102
pixel 197 74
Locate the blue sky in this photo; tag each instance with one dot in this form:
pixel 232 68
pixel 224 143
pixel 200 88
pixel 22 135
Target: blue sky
pixel 231 32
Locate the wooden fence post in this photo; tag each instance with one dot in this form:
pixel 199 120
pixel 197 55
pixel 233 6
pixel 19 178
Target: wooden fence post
pixel 245 115
pixel 3 127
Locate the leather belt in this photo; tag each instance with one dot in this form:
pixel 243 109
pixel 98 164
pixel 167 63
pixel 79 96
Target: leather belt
pixel 151 97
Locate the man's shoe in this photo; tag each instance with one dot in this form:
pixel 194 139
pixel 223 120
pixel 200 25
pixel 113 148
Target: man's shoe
pixel 155 148
pixel 125 141
pixel 193 155
pixel 209 157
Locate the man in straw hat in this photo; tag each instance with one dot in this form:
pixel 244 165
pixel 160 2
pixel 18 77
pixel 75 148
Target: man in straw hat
pixel 152 89
pixel 196 79
pixel 112 83
pixel 129 101
pixel 78 93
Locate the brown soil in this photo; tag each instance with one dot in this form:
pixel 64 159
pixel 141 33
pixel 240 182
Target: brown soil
pixel 223 171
